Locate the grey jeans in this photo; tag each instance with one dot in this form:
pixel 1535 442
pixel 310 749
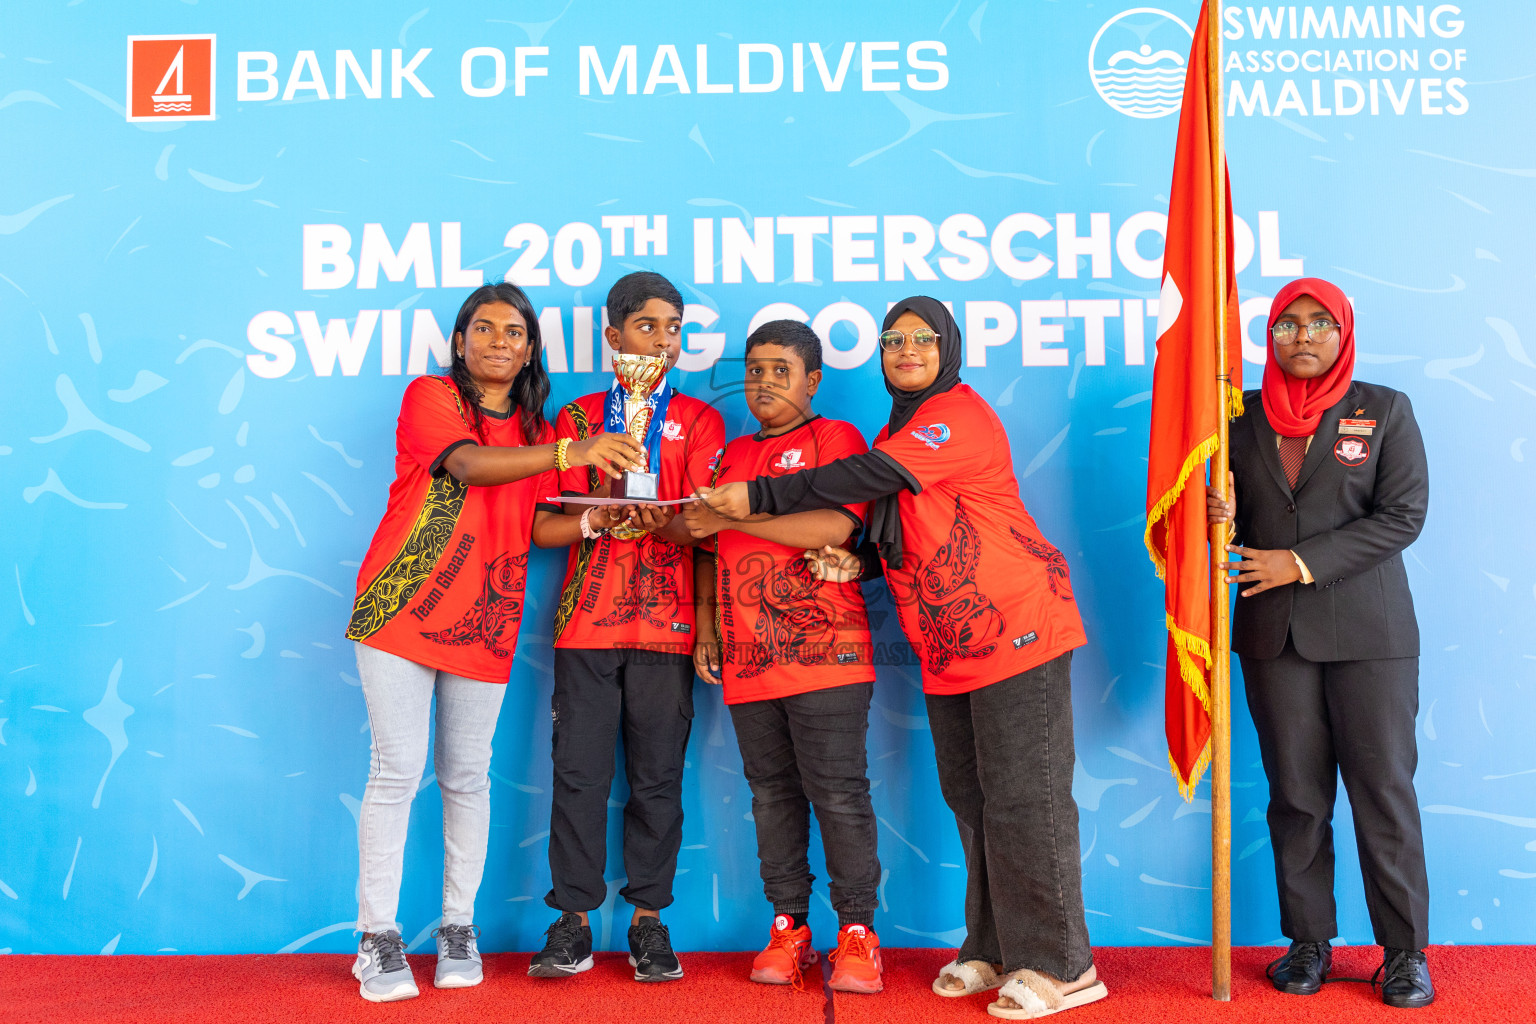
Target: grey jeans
pixel 399 696
pixel 1005 758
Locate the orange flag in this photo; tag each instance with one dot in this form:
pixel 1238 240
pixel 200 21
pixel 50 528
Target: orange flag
pixel 1187 401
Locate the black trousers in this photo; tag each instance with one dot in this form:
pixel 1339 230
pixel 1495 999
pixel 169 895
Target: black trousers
pixel 1317 720
pixel 1005 758
pixel 802 752
pixel 598 693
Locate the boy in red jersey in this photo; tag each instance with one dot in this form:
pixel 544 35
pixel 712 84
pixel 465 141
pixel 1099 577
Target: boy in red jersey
pixel 624 636
pixel 794 656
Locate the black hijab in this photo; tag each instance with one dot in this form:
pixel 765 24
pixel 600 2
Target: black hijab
pixel 884 530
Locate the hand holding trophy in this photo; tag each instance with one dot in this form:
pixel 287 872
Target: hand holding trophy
pixel 640 376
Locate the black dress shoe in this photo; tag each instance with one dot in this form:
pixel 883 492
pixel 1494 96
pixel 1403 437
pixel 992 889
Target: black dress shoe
pixel 1302 971
pixel 1405 980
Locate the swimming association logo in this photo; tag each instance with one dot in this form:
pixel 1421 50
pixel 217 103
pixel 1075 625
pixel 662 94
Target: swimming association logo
pixel 1137 62
pixel 932 435
pixel 170 78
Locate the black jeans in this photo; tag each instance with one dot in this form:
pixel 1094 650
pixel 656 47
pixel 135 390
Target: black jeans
pixel 597 692
pixel 802 752
pixel 1316 720
pixel 1005 765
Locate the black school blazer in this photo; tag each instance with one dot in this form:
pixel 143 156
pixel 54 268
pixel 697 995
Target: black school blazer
pixel 1356 506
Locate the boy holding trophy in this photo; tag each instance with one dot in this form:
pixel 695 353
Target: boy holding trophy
pixel 624 636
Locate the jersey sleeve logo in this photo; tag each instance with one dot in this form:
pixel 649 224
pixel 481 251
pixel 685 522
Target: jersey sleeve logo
pixel 932 435
pixel 1056 575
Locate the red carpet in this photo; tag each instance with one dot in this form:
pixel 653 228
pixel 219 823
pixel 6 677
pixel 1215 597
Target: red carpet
pixel 1162 985
pixel 1147 986
pixel 317 987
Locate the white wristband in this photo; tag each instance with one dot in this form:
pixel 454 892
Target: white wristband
pixel 586 527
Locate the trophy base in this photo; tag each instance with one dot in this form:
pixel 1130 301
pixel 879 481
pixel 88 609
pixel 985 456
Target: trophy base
pixel 633 486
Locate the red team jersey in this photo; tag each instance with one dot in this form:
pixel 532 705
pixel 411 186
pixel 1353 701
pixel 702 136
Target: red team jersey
pixel 635 593
pixel 981 594
pixel 442 583
pixel 781 630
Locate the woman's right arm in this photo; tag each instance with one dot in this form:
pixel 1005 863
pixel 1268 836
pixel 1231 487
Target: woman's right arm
pixel 487 465
pixel 851 480
pixel 1399 503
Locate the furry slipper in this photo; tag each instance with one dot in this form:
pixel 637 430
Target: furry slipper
pixel 1033 994
pixel 975 975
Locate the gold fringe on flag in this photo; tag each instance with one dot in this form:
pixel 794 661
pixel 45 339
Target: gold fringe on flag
pixel 1187 786
pixel 1195 459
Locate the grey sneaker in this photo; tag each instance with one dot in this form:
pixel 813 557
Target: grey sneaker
pixel 458 958
pixel 382 969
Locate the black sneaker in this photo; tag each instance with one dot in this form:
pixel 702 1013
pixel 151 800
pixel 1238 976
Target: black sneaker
pixel 650 952
pixel 567 949
pixel 1302 971
pixel 1406 984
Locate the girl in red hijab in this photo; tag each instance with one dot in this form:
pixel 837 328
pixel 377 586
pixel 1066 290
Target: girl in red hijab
pixel 1303 381
pixel 1331 484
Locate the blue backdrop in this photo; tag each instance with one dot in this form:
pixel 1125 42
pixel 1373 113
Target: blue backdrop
pixel 208 325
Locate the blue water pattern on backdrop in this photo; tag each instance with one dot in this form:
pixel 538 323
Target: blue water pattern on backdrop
pixel 210 324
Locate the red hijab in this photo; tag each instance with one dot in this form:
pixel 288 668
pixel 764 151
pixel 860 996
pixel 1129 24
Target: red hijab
pixel 1295 406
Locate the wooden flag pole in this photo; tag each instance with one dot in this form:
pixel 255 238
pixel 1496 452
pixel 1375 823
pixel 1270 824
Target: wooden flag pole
pixel 1221 627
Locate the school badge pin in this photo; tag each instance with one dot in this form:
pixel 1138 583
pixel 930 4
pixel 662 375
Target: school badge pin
pixel 1351 450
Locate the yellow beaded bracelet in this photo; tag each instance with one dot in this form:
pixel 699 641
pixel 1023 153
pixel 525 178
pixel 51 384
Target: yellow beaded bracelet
pixel 561 462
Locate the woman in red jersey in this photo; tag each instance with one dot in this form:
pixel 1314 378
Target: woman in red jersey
pixel 439 601
pixel 986 601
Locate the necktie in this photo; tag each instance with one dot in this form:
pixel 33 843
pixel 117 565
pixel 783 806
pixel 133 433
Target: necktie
pixel 1293 452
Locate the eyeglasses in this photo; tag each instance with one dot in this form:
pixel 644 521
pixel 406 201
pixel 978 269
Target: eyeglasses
pixel 1318 331
pixel 922 338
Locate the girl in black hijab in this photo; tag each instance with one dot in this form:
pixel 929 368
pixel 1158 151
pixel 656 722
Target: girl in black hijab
pixel 884 521
pixel 986 602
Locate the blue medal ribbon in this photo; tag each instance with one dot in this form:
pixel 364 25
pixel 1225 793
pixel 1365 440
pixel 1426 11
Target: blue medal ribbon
pixel 613 418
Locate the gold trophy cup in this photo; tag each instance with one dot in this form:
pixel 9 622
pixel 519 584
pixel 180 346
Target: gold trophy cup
pixel 640 376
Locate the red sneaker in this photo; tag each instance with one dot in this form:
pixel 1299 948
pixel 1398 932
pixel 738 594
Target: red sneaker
pixel 856 960
pixel 789 952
